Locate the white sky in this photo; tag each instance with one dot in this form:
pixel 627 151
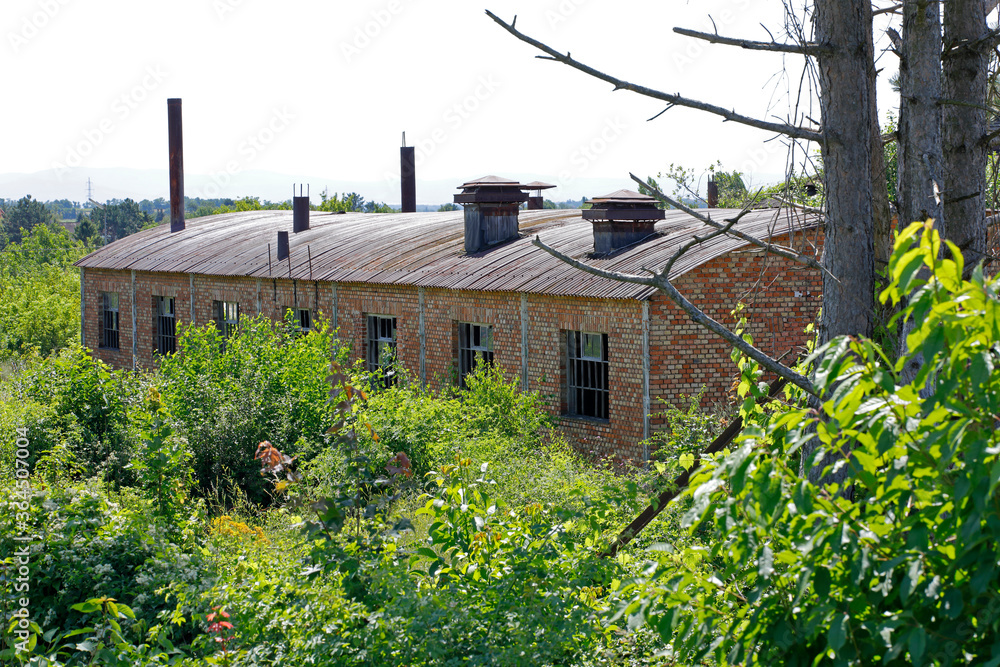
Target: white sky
pixel 327 87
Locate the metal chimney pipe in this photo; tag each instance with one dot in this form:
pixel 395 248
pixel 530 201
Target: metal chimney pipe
pixel 713 194
pixel 408 177
pixel 176 140
pixel 300 211
pixel 282 245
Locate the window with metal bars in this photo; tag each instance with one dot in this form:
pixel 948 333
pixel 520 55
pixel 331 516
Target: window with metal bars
pixel 587 367
pixel 475 345
pixel 227 317
pixel 300 318
pixel 381 345
pixel 166 325
pixel 303 319
pixel 108 322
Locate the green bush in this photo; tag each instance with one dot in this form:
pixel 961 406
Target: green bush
pixel 906 572
pixel 75 399
pixel 268 382
pixel 39 293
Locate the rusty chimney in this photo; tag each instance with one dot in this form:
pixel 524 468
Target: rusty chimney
pixel 282 245
pixel 621 219
pixel 713 193
pixel 491 205
pixel 536 202
pixel 300 211
pixel 408 177
pixel 176 140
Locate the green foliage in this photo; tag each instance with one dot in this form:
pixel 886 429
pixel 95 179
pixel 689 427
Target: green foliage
pixel 75 399
pixel 23 217
pixel 119 219
pixel 266 383
pixel 906 572
pixel 350 202
pixel 39 293
pixel 448 207
pixel 92 541
pixel 687 434
pixel 163 463
pixel 87 232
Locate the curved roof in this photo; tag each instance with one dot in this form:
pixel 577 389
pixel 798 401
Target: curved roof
pixel 426 249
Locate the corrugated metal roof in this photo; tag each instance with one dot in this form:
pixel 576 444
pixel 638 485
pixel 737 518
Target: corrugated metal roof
pixel 425 249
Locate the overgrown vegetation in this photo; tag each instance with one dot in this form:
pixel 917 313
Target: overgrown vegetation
pixel 402 526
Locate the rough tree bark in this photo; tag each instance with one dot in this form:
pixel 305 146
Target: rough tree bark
pixel 921 147
pixel 920 139
pixel 849 287
pixel 881 210
pixel 848 246
pixel 965 64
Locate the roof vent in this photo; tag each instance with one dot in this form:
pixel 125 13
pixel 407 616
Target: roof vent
pixel 283 248
pixel 536 202
pixel 491 205
pixel 621 219
pixel 300 211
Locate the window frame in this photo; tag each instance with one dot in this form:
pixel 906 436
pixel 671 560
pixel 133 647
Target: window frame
pixel 469 352
pixel 307 327
pixel 166 324
pixel 227 326
pixel 375 343
pixel 109 321
pixel 588 391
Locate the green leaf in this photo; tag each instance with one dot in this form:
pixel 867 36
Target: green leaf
pixel 821 583
pixel 837 634
pixel 765 564
pixel 953 603
pixel 917 644
pixel 74 633
pixel 428 553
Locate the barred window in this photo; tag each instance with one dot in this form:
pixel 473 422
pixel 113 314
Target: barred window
pixel 381 345
pixel 108 323
pixel 587 355
pixel 475 345
pixel 227 317
pixel 166 325
pixel 303 318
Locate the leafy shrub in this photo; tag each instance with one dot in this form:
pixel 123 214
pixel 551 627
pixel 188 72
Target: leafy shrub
pixel 73 398
pixel 906 572
pixel 39 293
pixel 267 382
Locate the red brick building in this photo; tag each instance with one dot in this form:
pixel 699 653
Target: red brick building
pixel 603 352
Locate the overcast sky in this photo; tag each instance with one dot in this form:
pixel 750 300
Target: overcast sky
pixel 325 89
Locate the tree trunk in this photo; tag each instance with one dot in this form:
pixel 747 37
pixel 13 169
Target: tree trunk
pixel 848 296
pixel 848 292
pixel 966 61
pixel 880 192
pixel 920 147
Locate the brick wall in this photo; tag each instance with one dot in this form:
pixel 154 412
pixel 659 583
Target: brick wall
pixel 782 299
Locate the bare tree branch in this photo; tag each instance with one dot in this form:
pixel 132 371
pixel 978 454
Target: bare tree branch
pixel 892 9
pixel 801 207
pixel 781 251
pixel 619 84
pixel 716 38
pixel 662 283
